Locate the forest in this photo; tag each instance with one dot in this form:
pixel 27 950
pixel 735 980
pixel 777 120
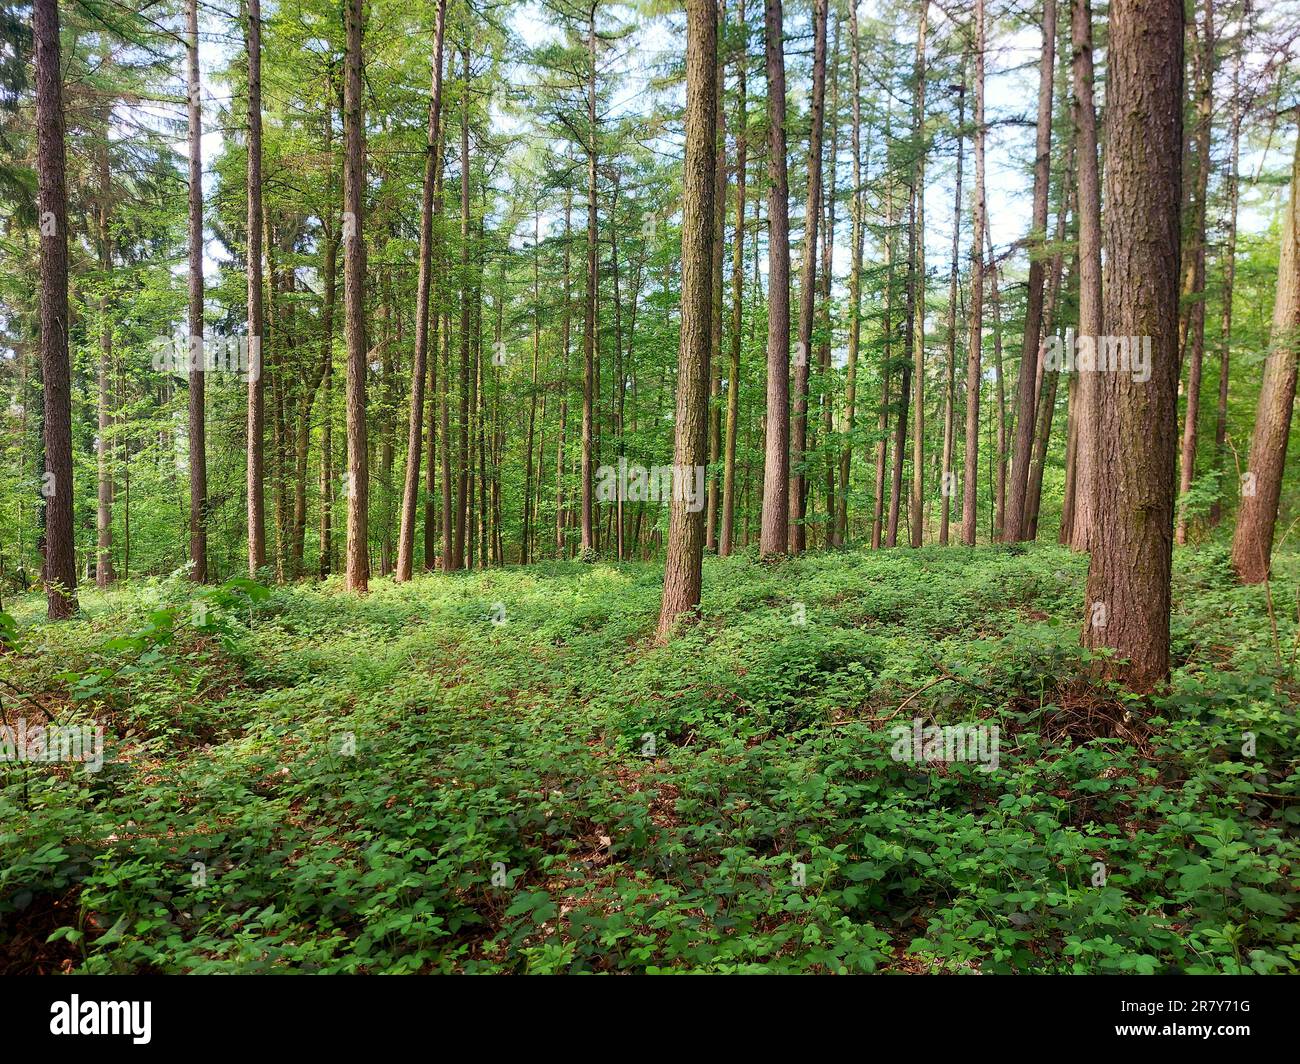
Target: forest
pixel 663 486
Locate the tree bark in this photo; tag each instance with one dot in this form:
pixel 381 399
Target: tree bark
pixel 970 472
pixel 917 266
pixel 357 570
pixel 1128 595
pixel 727 538
pixel 1252 540
pixel 197 421
pixel 253 265
pixel 682 568
pixel 774 532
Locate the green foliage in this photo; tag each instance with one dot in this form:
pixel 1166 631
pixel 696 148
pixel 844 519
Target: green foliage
pixel 420 780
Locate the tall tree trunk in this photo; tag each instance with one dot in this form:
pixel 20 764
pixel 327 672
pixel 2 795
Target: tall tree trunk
pixel 1082 510
pixel 999 384
pixel 774 534
pixel 60 564
pixel 807 287
pixel 462 453
pixel 424 287
pixel 917 295
pixel 525 540
pixel 828 267
pixel 1194 270
pixel 715 360
pixel 589 381
pixel 682 568
pixel 567 321
pixel 727 539
pixel 1016 526
pixel 950 379
pixel 1229 262
pixel 357 570
pixel 253 265
pixel 886 371
pixel 104 574
pixel 1252 540
pixel 970 472
pixel 1128 596
pixel 841 520
pixel 197 421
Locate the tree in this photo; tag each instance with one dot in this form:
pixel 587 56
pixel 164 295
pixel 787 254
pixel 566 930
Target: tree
pixel 253 264
pixel 774 532
pixel 682 568
pixel 1016 525
pixel 357 571
pixel 60 571
pixel 1128 594
pixel 917 294
pixel 419 369
pixel 970 474
pixel 807 286
pixel 197 420
pixel 1252 539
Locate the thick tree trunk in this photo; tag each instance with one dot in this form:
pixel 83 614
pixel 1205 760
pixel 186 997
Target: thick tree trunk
pixel 775 531
pixel 1016 526
pixel 1252 541
pixel 1128 596
pixel 60 564
pixel 682 568
pixel 357 568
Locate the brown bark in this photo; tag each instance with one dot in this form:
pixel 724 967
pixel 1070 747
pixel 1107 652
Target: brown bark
pixel 807 287
pixel 197 421
pixel 253 264
pixel 1229 263
pixel 357 569
pixel 424 289
pixel 682 567
pixel 60 565
pixel 970 472
pixel 774 532
pixel 727 538
pixel 917 266
pixel 1016 526
pixel 1252 540
pixel 950 382
pixel 1128 596
pixel 589 379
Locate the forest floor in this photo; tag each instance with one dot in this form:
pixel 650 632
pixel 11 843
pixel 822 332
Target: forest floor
pixel 499 771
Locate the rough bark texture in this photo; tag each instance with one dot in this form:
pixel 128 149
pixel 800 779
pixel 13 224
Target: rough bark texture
pixel 916 524
pixel 1084 416
pixel 727 536
pixel 1252 541
pixel 682 573
pixel 253 266
pixel 774 533
pixel 60 570
pixel 424 286
pixel 197 421
pixel 1128 595
pixel 807 286
pixel 357 571
pixel 1025 406
pixel 970 472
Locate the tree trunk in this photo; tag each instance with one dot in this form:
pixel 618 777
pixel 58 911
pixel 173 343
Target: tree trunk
pixel 1252 541
pixel 253 265
pixel 357 570
pixel 682 568
pixel 197 421
pixel 726 542
pixel 1128 596
pixel 589 383
pixel 807 287
pixel 841 521
pixel 424 287
pixel 828 268
pixel 1016 526
pixel 774 534
pixel 1229 258
pixel 60 564
pixel 950 379
pixel 917 295
pixel 970 472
